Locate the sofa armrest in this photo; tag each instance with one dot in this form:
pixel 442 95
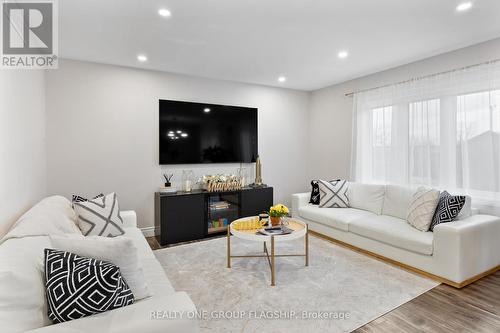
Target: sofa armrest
pixel 470 244
pixel 299 200
pixel 153 315
pixel 129 218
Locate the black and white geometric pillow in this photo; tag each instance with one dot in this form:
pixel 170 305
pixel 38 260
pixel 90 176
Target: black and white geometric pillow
pixel 78 287
pixel 333 194
pixel 100 216
pixel 314 199
pixel 448 208
pixel 79 198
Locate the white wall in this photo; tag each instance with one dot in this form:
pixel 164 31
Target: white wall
pixel 331 112
pixel 22 143
pixel 102 125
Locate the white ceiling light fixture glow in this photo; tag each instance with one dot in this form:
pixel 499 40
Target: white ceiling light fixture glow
pixel 164 12
pixel 343 54
pixel 206 110
pixel 142 58
pixel 464 6
pixel 282 79
pixel 184 135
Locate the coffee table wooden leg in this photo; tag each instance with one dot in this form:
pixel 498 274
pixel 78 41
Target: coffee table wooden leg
pixel 307 245
pixel 273 269
pixel 228 248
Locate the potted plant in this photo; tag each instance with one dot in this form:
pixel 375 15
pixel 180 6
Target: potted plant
pixel 276 213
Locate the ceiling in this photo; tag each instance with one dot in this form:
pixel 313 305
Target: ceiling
pixel 256 41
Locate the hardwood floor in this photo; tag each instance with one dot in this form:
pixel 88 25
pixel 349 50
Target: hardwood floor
pixel 474 308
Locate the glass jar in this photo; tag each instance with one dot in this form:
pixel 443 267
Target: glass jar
pixel 242 174
pixel 187 180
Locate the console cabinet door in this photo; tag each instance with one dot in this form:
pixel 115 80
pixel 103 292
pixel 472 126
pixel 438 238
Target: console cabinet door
pixel 256 201
pixel 182 218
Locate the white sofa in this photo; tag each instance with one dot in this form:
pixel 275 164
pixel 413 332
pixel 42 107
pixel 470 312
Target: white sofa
pixel 456 253
pixel 22 299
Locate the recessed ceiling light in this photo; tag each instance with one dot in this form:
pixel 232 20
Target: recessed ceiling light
pixel 464 6
pixel 179 132
pixel 282 79
pixel 206 110
pixel 184 135
pixel 142 58
pixel 164 12
pixel 171 134
pixel 343 54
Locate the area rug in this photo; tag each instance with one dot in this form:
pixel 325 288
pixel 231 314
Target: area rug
pixel 339 291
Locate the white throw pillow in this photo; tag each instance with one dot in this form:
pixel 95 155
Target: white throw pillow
pixel 422 208
pixel 333 194
pixel 119 251
pixel 100 216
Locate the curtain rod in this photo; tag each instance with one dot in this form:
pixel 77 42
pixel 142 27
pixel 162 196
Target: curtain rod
pixel 423 77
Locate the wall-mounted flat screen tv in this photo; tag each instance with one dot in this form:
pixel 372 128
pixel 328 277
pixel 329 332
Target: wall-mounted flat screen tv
pixel 207 133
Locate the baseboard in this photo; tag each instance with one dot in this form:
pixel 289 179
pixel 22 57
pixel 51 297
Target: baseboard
pixel 407 267
pixel 149 231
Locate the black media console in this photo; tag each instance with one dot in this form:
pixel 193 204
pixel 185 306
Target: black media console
pixel 187 216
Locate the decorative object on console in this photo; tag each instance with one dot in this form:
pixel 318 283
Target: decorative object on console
pixel 448 208
pixel 258 174
pixel 170 189
pixel 100 216
pixel 187 180
pixel 243 176
pixel 220 183
pixel 168 179
pixel 78 287
pixel 277 213
pixel 333 194
pixel 119 251
pixel 422 208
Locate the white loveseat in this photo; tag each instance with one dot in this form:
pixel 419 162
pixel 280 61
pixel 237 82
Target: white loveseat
pixel 455 253
pixel 22 299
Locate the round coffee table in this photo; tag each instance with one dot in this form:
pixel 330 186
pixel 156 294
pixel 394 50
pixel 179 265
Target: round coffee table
pixel 300 229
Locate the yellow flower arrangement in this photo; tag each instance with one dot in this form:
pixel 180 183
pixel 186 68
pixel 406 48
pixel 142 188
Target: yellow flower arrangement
pixel 278 210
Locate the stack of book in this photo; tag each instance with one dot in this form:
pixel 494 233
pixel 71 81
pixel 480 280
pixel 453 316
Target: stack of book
pixel 218 205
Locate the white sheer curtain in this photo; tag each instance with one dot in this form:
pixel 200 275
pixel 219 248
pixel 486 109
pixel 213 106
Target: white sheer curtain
pixel 442 131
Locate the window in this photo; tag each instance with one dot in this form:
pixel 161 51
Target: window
pixel 478 141
pixel 441 131
pixel 478 113
pixel 423 141
pixel 424 123
pixel 382 123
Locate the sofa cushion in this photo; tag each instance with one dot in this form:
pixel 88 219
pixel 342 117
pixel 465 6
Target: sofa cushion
pixel 448 208
pixel 22 291
pixel 397 199
pixel 78 287
pixel 338 218
pixel 466 210
pixel 333 194
pixel 100 216
pixel 368 197
pixel 119 251
pixel 393 231
pixel 51 216
pixel 422 208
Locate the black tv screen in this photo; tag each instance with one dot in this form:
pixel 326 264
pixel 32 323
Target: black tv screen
pixel 207 133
